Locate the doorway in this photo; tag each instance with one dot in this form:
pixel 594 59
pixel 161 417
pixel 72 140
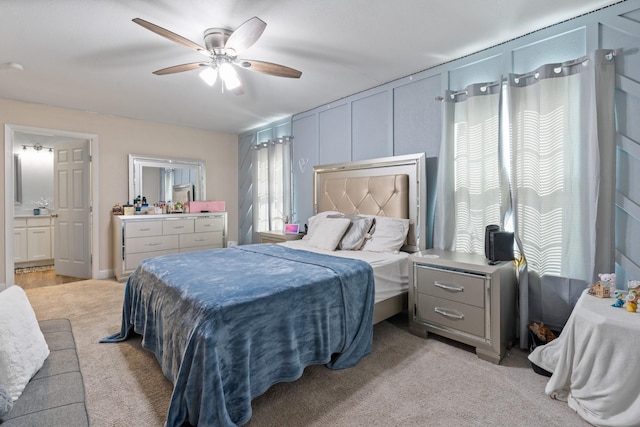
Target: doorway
pixel 69 244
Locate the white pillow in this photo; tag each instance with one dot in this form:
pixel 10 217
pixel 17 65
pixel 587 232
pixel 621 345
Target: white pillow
pixel 357 232
pixel 328 232
pixel 23 348
pixel 315 219
pixel 388 235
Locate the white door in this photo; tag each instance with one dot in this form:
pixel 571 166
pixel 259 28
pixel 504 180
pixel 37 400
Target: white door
pixel 72 218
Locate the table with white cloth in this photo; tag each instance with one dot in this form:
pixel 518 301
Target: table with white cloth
pixel 596 363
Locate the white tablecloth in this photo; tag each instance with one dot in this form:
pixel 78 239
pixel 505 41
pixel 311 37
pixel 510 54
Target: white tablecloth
pixel 596 363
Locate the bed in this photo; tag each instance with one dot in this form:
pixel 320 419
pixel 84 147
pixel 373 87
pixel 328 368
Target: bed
pixel 227 324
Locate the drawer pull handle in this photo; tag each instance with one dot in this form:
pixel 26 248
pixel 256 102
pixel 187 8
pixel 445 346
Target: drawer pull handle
pixel 152 244
pixel 448 287
pixel 144 229
pixel 447 313
pixel 201 240
pixel 179 227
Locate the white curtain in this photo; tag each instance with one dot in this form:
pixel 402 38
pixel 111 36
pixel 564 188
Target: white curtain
pixel 271 165
pixel 472 187
pixel 562 145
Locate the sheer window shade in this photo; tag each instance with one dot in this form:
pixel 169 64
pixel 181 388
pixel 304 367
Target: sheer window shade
pixel 271 163
pixel 476 188
pixel 562 148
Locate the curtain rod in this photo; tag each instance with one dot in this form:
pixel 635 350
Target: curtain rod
pixel 466 92
pixel 609 56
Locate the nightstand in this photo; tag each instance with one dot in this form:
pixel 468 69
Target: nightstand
pixel 278 236
pixel 461 297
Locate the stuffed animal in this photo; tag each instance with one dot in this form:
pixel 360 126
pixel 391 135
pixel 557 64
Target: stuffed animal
pixel 607 277
pixel 543 333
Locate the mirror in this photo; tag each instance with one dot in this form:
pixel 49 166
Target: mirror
pixel 17 180
pixel 160 179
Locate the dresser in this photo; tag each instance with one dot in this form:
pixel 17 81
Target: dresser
pixel 137 237
pixel 461 297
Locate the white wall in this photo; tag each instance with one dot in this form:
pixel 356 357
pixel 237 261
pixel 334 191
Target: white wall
pixel 119 137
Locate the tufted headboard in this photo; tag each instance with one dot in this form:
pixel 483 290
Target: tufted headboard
pixel 392 186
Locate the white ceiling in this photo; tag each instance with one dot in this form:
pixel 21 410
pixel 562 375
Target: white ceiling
pixel 88 55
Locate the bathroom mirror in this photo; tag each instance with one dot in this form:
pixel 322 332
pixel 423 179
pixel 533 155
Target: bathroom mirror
pixel 157 178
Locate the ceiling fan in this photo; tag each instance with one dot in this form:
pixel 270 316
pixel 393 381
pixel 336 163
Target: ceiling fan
pixel 222 49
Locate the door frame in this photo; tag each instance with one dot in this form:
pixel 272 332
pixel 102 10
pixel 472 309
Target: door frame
pixel 9 130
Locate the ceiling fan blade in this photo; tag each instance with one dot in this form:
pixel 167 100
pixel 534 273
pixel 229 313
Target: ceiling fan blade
pixel 170 35
pixel 181 68
pixel 246 34
pixel 269 68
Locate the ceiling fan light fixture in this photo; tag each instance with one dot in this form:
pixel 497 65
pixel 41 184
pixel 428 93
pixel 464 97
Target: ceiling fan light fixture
pixel 229 76
pixel 209 75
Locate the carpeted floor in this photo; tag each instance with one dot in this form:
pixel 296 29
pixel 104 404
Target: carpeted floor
pixel 407 380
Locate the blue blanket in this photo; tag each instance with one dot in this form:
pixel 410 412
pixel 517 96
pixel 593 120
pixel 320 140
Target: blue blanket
pixel 227 324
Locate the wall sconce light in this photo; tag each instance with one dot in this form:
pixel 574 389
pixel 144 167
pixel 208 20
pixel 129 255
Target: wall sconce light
pixel 37 147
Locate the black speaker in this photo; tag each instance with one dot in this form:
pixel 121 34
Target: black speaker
pixel 498 245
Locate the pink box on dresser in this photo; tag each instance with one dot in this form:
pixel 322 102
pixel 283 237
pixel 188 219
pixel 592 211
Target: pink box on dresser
pixel 206 206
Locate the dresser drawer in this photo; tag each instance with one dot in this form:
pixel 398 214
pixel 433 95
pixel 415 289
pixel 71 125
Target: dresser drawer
pixel 197 240
pixel 462 317
pixel 452 285
pixel 150 244
pixel 38 222
pixel 209 224
pixel 142 228
pixel 131 261
pixel 177 226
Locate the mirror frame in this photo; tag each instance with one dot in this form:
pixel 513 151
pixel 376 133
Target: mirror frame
pixel 136 162
pixel 17 180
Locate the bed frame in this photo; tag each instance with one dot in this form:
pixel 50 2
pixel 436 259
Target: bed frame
pixel 390 186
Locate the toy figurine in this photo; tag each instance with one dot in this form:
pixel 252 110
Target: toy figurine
pixel 619 302
pixel 632 301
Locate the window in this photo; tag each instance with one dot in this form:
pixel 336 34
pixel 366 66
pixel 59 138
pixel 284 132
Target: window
pixel 271 163
pixel 558 140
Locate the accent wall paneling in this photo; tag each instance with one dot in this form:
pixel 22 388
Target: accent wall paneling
pixel 372 126
pixel 621 30
pixel 417 122
pixel 334 128
pixel 305 156
pixel 401 117
pixel 557 48
pixel 486 70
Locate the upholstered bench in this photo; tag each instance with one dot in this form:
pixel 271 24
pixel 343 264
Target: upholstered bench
pixel 55 395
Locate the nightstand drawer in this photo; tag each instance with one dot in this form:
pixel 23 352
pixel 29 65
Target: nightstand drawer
pixel 462 287
pixel 462 317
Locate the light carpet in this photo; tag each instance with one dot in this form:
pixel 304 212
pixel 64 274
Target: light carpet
pixel 407 380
